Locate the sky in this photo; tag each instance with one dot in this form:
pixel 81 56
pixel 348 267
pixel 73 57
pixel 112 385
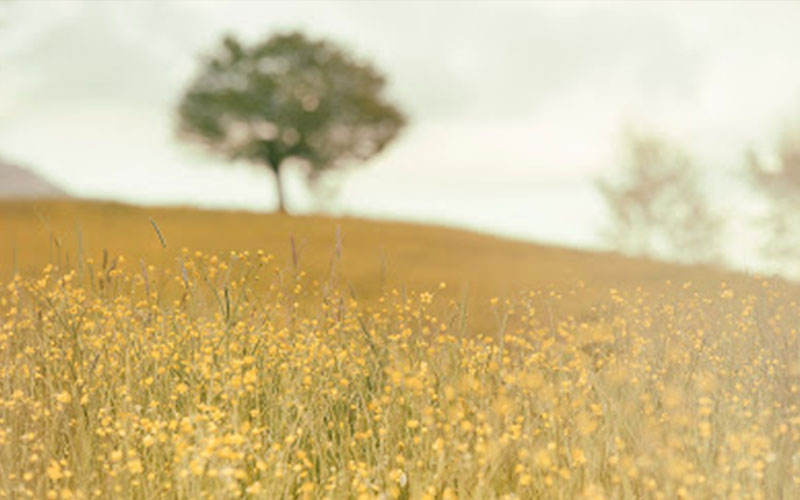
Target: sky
pixel 516 108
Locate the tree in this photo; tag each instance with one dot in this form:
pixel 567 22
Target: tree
pixel 779 182
pixel 657 207
pixel 289 97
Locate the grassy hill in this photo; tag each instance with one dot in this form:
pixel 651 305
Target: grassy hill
pixel 219 372
pixel 375 256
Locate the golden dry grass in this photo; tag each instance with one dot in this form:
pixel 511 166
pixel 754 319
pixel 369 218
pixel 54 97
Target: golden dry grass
pixel 220 373
pixel 375 256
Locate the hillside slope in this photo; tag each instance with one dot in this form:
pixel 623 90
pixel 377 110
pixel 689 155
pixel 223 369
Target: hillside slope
pixel 19 183
pixel 375 256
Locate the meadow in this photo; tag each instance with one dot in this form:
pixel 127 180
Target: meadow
pixel 243 355
pixel 371 257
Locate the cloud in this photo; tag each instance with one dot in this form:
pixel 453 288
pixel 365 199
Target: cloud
pixel 117 52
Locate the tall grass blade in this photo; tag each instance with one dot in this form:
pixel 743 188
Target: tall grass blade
pixel 158 233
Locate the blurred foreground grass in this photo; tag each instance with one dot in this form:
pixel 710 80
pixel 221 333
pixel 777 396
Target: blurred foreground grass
pixel 236 374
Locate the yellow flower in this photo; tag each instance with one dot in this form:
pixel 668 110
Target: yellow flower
pixel 63 397
pixel 254 489
pixel 135 466
pixel 54 471
pixel 251 376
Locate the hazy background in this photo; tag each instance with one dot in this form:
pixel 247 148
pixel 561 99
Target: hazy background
pixel 515 108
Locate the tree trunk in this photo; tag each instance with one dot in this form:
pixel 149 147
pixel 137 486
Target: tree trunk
pixel 281 193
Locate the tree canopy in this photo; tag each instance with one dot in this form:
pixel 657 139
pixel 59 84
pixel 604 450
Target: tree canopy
pixel 289 97
pixel 779 181
pixel 657 207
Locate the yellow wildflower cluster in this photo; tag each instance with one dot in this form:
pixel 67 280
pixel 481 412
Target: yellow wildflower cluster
pixel 230 377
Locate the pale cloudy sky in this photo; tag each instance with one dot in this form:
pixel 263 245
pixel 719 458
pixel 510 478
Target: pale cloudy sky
pixel 516 107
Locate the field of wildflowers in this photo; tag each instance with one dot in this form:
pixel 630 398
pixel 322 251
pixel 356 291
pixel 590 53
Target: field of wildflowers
pixel 230 375
pixel 373 257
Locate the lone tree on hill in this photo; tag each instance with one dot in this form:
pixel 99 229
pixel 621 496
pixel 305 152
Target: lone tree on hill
pixel 657 207
pixel 289 97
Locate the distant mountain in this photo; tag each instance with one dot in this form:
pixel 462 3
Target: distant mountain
pixel 17 182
